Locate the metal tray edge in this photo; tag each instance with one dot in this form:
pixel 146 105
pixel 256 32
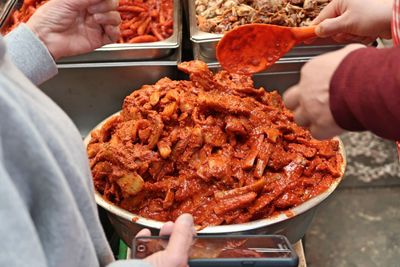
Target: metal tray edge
pixel 172 42
pixel 196 35
pixel 5 13
pixel 172 60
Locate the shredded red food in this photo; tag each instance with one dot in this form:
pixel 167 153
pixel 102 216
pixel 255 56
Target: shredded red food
pixel 214 146
pixel 146 20
pixel 23 14
pixel 142 20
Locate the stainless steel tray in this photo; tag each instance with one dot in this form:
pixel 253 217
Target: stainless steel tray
pixel 205 43
pixel 89 92
pixel 122 52
pixel 5 6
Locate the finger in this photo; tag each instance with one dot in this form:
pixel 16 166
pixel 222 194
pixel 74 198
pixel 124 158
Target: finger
pixel 181 238
pixel 109 18
pixel 350 38
pixel 341 38
pixel 167 228
pixel 321 133
pixel 301 117
pixel 103 6
pixel 144 232
pixel 367 40
pixel 291 97
pixel 330 27
pixel 111 34
pixel 82 5
pixel 330 11
pixel 310 41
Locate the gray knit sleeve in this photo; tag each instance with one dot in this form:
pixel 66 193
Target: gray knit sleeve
pixel 30 55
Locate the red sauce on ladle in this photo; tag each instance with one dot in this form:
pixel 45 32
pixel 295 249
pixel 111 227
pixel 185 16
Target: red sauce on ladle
pixel 255 47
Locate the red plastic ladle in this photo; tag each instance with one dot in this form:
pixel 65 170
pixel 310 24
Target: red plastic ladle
pixel 255 47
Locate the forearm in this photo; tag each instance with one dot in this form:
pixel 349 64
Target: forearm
pixel 365 92
pixel 30 55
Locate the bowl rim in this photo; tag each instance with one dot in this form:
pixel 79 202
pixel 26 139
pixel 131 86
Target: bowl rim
pixel 229 228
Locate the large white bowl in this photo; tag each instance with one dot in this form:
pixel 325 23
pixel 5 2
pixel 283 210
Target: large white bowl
pixel 293 223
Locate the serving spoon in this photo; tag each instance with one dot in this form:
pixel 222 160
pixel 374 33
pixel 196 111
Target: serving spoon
pixel 253 48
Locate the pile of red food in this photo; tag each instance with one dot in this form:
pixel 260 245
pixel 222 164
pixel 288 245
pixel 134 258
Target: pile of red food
pixel 146 20
pixel 214 146
pixel 142 20
pixel 23 14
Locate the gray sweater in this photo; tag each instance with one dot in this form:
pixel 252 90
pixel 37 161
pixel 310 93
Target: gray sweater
pixel 48 216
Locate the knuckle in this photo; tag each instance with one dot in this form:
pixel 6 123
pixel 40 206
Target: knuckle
pixel 176 260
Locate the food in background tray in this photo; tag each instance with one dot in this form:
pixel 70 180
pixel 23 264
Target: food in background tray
pixel 146 20
pixel 22 14
pixel 142 20
pixel 219 16
pixel 214 146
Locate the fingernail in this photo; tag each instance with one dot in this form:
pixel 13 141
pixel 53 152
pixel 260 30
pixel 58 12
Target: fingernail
pixel 169 223
pixel 186 219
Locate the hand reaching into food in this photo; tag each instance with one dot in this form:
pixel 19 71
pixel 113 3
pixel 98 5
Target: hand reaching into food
pixel 177 252
pixel 72 27
pixel 309 99
pixel 355 20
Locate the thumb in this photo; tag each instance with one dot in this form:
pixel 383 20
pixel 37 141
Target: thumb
pixel 182 235
pixel 333 26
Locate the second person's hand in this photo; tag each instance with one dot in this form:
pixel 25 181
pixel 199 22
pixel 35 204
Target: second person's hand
pixel 310 98
pixel 73 27
pixel 181 237
pixel 355 20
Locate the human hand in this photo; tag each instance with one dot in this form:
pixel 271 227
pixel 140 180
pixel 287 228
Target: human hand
pixel 73 27
pixel 355 20
pixel 309 99
pixel 177 252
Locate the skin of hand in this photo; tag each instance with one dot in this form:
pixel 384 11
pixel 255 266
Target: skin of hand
pixel 355 20
pixel 309 99
pixel 73 27
pixel 181 237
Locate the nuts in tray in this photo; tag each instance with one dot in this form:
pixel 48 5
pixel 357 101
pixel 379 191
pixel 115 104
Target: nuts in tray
pixel 219 16
pixel 214 146
pixel 142 20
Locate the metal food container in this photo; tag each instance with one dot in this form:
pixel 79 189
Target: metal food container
pixel 121 52
pixel 5 6
pixel 205 43
pixel 92 91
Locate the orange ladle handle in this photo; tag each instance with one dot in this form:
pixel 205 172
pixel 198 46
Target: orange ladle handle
pixel 303 33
